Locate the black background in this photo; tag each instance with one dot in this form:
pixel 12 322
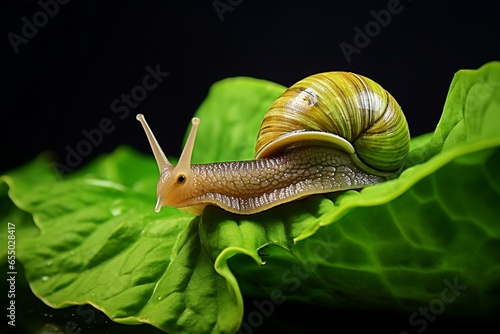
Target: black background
pixel 64 79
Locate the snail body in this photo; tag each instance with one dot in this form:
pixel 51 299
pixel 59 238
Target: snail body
pixel 329 132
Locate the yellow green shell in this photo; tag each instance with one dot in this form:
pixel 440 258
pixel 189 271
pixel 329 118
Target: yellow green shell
pixel 343 110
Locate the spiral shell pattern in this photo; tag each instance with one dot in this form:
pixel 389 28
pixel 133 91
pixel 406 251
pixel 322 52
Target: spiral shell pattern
pixel 339 109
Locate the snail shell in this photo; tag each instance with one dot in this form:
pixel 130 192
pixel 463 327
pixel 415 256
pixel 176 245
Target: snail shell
pixel 339 109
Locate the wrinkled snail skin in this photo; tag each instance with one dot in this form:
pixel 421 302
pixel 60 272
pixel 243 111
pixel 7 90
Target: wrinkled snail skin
pixel 247 187
pixel 329 132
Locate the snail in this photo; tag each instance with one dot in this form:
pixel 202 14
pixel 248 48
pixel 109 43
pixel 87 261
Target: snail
pixel 329 132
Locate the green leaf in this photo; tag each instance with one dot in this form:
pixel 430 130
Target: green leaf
pixel 431 234
pixel 12 213
pixel 105 246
